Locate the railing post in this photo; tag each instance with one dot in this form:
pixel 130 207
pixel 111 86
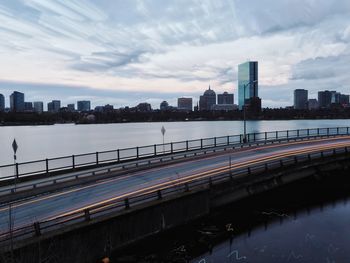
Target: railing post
pixel 37 229
pixel 96 158
pixel 47 165
pixel 137 152
pixel 73 161
pixel 254 136
pixel 214 141
pixel 155 149
pixel 327 131
pixel 228 140
pixel 308 132
pixel 17 171
pixel 159 193
pixel 265 136
pixel 287 134
pixel 171 147
pixel 318 131
pixel 118 155
pixel 127 204
pixel 201 143
pixel 298 133
pixel 87 214
pixel 276 134
pixel 186 146
pixel 347 130
pixel 337 130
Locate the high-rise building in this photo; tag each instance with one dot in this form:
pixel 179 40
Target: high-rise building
pixel 300 99
pixel 312 104
pixel 71 107
pixel 2 102
pixel 185 104
pixel 247 83
pixel 225 98
pixel 54 106
pixel 324 99
pixel 144 107
pixel 84 105
pixel 335 97
pixel 207 100
pixel 38 106
pixel 28 106
pixel 17 101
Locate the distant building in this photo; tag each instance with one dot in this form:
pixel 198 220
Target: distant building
pixel 248 84
pixel 300 99
pixel 108 108
pixel 38 106
pixel 207 100
pixel 84 105
pixel 224 107
pixel 17 101
pixel 344 100
pixel 164 106
pixel 335 97
pixel 312 104
pixel 28 106
pixel 185 104
pixel 2 102
pixel 71 107
pixel 54 106
pixel 144 107
pixel 225 98
pixel 325 99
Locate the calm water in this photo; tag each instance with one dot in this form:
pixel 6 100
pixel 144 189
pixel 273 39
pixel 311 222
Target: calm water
pixel 39 142
pixel 307 221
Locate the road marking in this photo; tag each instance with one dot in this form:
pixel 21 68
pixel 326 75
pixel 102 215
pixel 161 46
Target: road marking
pixel 195 177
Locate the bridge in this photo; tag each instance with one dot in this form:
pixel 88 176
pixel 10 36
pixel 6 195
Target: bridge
pixel 82 206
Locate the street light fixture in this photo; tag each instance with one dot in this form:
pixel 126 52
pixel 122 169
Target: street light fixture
pixel 244 110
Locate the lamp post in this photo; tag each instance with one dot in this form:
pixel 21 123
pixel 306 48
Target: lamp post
pixel 163 133
pixel 244 110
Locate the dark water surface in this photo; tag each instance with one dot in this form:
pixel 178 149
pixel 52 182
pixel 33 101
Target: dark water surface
pixel 307 221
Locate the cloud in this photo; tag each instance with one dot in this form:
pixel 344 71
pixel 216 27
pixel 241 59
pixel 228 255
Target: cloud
pixel 175 47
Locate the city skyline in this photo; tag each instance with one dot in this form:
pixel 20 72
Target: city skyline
pixel 162 51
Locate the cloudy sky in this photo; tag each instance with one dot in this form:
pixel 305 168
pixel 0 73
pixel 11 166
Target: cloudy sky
pixel 124 52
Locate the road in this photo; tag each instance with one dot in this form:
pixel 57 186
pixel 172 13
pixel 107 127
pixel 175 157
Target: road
pixel 76 199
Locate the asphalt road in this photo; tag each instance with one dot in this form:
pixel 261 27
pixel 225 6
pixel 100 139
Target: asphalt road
pixel 78 198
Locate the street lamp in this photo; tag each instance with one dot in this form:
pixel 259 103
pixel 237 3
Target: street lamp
pixel 244 110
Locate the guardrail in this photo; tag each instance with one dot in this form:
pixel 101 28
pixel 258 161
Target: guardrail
pixel 225 174
pixel 72 162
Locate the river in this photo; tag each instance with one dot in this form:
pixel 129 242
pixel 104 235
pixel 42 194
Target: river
pixel 40 142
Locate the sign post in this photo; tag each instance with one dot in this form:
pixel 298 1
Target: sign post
pixel 163 133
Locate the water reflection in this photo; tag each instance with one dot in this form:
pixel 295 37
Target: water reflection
pixel 307 221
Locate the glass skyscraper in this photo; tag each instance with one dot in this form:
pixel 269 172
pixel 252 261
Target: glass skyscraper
pixel 247 73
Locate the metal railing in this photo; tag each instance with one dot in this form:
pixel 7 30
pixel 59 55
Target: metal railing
pixel 95 159
pixel 225 174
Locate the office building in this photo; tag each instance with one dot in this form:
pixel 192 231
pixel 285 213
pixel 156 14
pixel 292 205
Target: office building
pixel 344 100
pixel 300 99
pixel 71 107
pixel 2 102
pixel 325 99
pixel 38 106
pixel 224 107
pixel 84 105
pixel 207 100
pixel 17 101
pixel 54 106
pixel 312 104
pixel 28 106
pixel 185 104
pixel 225 98
pixel 144 107
pixel 248 84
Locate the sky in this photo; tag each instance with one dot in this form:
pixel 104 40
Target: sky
pixel 124 52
